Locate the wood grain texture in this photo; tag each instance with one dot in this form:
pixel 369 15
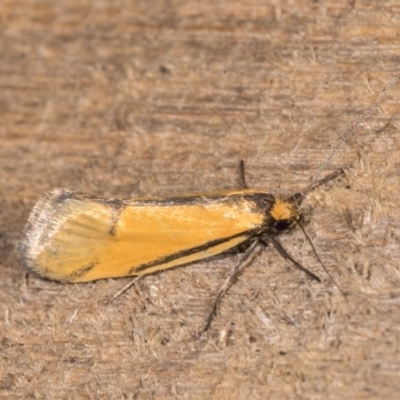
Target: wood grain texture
pixel 137 98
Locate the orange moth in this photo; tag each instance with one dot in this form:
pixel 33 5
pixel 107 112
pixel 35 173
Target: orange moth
pixel 75 237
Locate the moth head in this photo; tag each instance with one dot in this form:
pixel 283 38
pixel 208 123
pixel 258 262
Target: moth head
pixel 284 214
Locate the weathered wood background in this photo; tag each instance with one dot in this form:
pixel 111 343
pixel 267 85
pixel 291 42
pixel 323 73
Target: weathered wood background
pixel 132 98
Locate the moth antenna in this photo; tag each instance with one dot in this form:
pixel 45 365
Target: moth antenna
pixel 320 261
pixel 298 197
pixel 346 135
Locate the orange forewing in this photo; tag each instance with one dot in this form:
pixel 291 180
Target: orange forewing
pixel 77 238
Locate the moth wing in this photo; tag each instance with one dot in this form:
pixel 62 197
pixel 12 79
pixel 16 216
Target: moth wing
pixel 74 237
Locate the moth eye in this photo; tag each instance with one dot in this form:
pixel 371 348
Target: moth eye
pixel 282 224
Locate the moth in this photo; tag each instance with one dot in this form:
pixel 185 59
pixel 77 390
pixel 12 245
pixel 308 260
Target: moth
pixel 75 237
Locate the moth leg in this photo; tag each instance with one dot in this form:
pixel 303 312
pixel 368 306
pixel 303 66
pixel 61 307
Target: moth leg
pixel 228 282
pixel 123 289
pixel 288 257
pixel 242 176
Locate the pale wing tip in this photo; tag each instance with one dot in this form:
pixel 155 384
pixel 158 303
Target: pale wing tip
pixel 41 225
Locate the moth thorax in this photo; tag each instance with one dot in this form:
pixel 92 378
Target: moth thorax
pixel 283 213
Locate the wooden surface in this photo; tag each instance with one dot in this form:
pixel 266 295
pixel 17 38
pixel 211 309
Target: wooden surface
pixel 134 98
